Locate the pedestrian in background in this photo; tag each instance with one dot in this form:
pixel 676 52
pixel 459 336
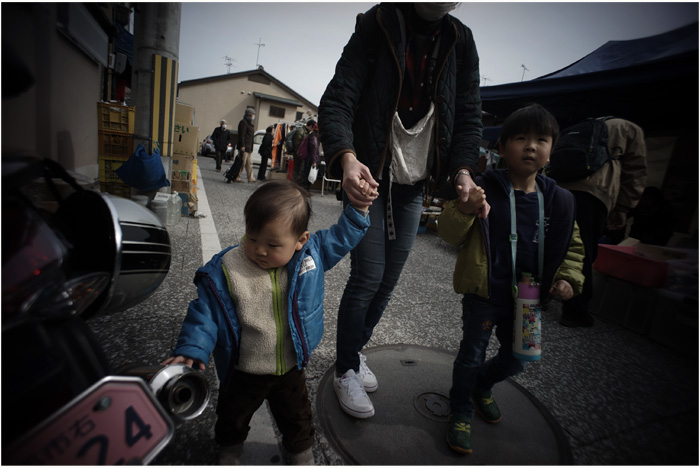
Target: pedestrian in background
pixel 603 199
pixel 403 107
pixel 221 137
pixel 310 155
pixel 298 136
pixel 265 152
pixel 488 269
pixel 246 132
pixel 242 314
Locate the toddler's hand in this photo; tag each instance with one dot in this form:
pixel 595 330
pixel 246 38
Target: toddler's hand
pixel 189 362
pixel 562 289
pixel 476 200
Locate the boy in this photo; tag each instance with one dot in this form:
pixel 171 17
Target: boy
pixel 260 311
pixel 484 271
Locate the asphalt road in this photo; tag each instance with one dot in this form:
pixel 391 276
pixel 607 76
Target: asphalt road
pixel 619 397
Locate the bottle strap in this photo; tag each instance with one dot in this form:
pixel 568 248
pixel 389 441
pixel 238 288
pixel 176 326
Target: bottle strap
pixel 514 235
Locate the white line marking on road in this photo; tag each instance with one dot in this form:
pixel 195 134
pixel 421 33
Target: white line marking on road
pixel 210 238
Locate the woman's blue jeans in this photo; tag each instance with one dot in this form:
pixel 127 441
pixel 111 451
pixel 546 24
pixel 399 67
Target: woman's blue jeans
pixel 375 267
pixel 469 370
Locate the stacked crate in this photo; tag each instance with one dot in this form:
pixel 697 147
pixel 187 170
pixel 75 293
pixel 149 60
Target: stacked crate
pixel 115 124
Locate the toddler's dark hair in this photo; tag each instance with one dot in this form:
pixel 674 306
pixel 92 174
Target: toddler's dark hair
pixel 278 199
pixel 532 117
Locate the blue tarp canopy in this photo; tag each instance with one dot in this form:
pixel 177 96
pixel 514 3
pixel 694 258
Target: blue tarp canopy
pixel 652 81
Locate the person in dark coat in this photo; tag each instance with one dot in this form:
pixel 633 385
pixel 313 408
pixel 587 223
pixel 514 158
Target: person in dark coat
pixel 221 138
pixel 299 135
pixel 312 156
pixel 246 132
pixel 402 109
pixel 265 152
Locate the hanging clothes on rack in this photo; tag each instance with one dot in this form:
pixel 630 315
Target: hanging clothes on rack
pixel 276 147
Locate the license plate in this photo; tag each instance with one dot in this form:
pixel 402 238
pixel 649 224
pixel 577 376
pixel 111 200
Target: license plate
pixel 116 421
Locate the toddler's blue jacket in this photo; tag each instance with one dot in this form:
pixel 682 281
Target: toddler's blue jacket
pixel 211 324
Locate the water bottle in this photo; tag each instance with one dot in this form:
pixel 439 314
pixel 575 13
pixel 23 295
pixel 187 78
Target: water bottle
pixel 527 320
pixel 174 208
pixel 160 208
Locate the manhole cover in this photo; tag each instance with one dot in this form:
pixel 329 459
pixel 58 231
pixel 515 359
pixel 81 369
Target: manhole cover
pixel 433 405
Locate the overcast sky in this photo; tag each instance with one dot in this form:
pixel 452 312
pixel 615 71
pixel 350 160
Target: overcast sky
pixel 303 41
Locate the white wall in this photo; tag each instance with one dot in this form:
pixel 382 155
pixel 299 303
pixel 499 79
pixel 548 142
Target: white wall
pixel 57 117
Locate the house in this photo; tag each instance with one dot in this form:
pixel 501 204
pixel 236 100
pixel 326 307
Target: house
pixel 227 97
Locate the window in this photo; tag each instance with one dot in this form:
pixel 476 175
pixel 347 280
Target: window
pixel 277 112
pixel 299 116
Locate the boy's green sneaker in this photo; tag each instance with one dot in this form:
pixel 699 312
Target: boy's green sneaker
pixel 486 406
pixel 459 433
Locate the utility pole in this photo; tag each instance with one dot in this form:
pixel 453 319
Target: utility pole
pixel 524 70
pixel 257 60
pixel 156 33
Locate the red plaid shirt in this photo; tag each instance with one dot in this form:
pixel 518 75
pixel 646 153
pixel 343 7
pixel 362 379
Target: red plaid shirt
pixel 414 101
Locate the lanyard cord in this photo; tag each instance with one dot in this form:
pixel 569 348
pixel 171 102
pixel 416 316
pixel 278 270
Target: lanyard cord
pixel 514 235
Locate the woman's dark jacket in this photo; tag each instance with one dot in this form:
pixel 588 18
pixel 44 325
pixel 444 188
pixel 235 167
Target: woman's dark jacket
pixel 358 105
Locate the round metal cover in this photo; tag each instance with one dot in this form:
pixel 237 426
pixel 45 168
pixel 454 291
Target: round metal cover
pixel 433 405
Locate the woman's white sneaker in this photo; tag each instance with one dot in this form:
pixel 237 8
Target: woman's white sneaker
pixel 352 396
pixel 366 376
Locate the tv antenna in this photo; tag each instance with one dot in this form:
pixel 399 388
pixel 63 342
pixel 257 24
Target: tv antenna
pixel 259 44
pixel 524 70
pixel 484 78
pixel 228 62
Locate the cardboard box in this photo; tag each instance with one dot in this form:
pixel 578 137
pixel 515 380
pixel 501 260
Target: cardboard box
pixel 180 175
pixel 626 263
pixel 180 186
pixel 184 113
pixel 186 139
pixel 183 162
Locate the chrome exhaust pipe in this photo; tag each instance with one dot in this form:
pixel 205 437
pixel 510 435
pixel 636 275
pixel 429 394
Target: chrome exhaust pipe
pixel 183 392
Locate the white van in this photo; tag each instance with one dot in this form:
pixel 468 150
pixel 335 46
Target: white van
pixel 257 141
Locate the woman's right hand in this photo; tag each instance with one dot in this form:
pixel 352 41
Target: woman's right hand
pixel 358 182
pixel 189 362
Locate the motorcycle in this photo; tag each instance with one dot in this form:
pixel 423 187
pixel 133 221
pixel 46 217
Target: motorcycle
pixel 70 254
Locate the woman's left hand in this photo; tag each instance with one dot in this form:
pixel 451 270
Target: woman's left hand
pixel 464 184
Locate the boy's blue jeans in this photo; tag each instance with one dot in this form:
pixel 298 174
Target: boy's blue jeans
pixel 469 370
pixel 375 267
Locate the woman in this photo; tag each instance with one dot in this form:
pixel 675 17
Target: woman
pixel 310 154
pixel 404 100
